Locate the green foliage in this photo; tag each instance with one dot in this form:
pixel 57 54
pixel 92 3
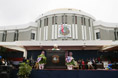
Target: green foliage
pixel 71 63
pixel 43 59
pixel 24 70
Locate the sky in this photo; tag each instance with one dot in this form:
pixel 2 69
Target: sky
pixel 15 12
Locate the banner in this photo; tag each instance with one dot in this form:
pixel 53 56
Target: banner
pixel 64 30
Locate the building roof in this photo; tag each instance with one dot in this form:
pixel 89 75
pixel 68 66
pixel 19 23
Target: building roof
pixel 105 24
pixel 73 45
pixel 31 24
pixel 65 10
pixel 59 43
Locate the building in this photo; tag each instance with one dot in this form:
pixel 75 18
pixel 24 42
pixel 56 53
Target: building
pixel 70 29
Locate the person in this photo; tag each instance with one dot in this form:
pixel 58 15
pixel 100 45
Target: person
pixel 86 63
pixel 80 64
pixel 70 54
pixel 36 66
pixel 41 60
pixel 55 47
pixel 83 64
pixel 109 66
pixel 31 62
pixel 94 64
pixel 70 62
pixel 90 66
pixel 3 61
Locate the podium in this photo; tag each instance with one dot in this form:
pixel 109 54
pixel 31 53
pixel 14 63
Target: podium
pixel 55 59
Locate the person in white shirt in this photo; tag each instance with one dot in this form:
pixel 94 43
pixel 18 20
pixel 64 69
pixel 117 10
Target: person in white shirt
pixel 90 66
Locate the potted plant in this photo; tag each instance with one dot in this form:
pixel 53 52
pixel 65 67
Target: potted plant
pixel 24 70
pixel 69 62
pixel 41 60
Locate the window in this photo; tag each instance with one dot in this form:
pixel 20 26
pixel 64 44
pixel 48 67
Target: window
pixel 65 19
pixel 116 34
pixel 33 36
pixel 97 35
pixel 72 19
pixel 4 36
pixel 47 22
pixel 16 34
pixel 55 19
pixel 75 19
pixel 82 21
pixel 40 23
pixel 89 23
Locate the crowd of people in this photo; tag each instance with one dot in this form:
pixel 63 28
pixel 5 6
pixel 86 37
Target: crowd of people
pixel 4 61
pixel 88 64
pixel 91 63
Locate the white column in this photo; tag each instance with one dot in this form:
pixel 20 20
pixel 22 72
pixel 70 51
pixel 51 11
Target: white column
pixel 76 31
pixel 73 31
pixel 52 31
pixel 90 33
pixel 40 34
pixel 91 30
pixel 46 33
pixel 83 33
pixel 55 31
pixel 25 54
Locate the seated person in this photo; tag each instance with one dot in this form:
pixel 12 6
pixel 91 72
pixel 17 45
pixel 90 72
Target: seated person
pixel 3 61
pixel 90 66
pixel 80 64
pixel 109 66
pixel 83 64
pixel 76 65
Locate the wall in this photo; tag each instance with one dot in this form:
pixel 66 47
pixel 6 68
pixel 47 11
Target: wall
pixel 107 34
pixel 24 35
pixel 41 31
pixel 10 36
pixel 1 33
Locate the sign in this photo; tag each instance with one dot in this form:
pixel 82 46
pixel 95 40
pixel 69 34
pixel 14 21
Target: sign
pixel 55 59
